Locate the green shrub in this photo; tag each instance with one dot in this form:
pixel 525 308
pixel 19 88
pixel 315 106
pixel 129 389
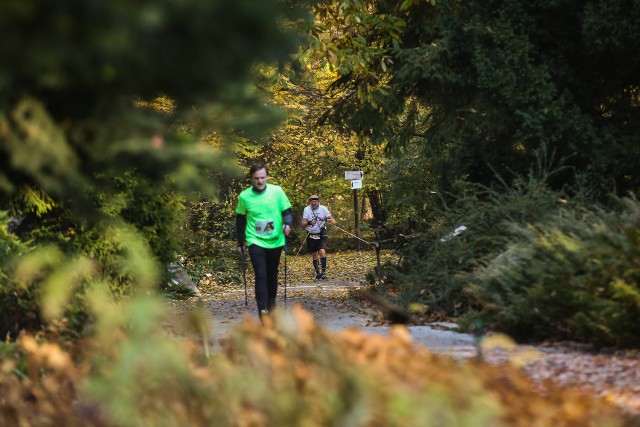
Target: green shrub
pixel 218 260
pixel 140 216
pixel 437 266
pixel 573 276
pixel 207 221
pixel 18 306
pixel 20 309
pixel 154 211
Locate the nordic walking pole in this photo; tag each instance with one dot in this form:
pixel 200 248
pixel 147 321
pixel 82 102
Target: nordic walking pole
pixel 298 253
pixel 244 277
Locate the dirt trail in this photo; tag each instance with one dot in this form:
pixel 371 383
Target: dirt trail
pixel 332 308
pixel 330 301
pixel 613 376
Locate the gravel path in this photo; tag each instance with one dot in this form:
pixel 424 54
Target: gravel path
pixel 332 308
pixel 615 376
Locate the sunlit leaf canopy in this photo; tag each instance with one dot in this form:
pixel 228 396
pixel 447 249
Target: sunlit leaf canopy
pixel 307 156
pixel 481 87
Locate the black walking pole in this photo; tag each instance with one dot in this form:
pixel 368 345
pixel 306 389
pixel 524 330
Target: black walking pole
pixel 244 277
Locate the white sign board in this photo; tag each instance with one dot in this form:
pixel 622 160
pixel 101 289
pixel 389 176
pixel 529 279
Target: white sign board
pixel 353 175
pixel 356 183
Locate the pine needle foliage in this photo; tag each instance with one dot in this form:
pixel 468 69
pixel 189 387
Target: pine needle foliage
pixel 437 266
pixel 19 305
pixel 106 114
pixel 573 276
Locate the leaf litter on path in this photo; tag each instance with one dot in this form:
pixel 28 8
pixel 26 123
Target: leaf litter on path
pixel 613 377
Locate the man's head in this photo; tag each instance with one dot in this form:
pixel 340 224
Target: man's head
pixel 314 200
pixel 259 175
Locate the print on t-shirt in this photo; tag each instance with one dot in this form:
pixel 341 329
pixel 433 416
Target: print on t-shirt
pixel 264 227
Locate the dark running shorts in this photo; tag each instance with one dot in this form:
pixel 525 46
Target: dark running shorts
pixel 315 242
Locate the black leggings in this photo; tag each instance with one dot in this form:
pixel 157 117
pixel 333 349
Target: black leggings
pixel 265 264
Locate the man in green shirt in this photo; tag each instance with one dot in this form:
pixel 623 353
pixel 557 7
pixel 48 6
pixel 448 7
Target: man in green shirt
pixel 263 219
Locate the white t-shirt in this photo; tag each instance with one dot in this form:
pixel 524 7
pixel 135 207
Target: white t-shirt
pixel 313 214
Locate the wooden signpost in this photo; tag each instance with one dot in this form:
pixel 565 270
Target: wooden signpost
pixel 356 182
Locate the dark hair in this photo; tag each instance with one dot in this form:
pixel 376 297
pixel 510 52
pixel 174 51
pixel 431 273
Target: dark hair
pixel 257 166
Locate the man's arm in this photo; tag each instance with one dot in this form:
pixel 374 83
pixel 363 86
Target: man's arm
pixel 287 218
pixel 328 217
pixel 241 225
pixel 304 221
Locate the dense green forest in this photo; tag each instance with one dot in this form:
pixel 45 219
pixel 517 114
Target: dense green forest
pixel 126 130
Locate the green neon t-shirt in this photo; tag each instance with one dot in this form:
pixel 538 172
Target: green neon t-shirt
pixel 264 215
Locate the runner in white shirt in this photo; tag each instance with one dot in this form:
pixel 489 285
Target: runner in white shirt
pixel 314 218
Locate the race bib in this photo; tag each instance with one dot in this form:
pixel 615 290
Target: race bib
pixel 264 227
pixel 314 236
